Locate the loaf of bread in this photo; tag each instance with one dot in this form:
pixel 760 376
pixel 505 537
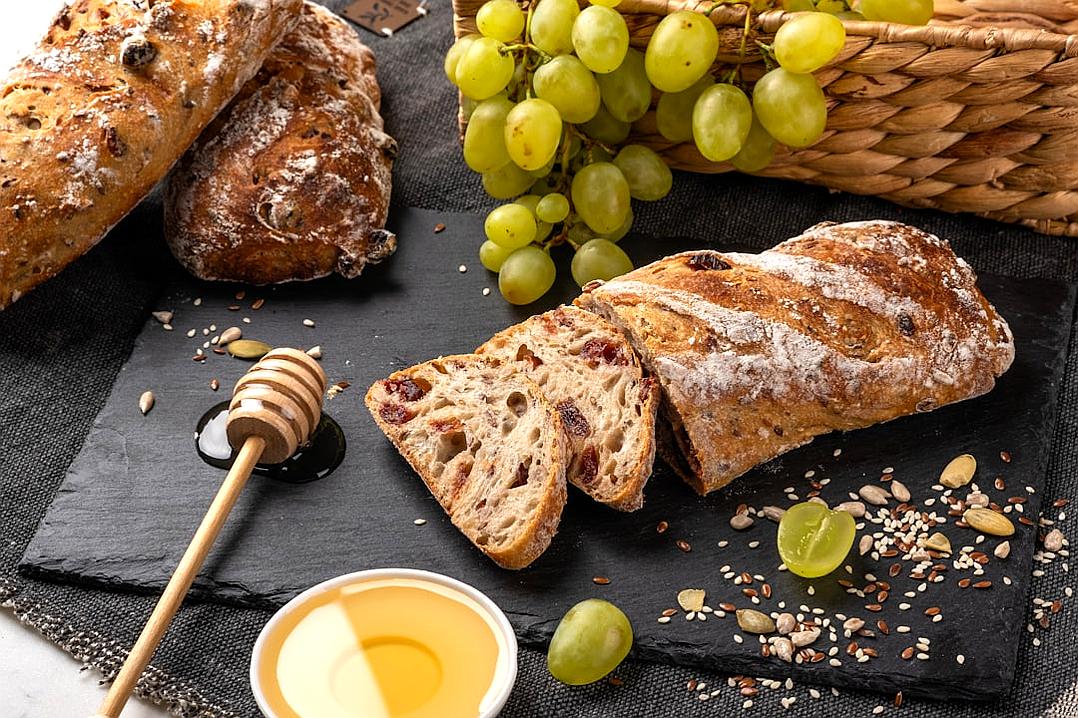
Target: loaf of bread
pixel 843 327
pixel 292 181
pixel 487 444
pixel 590 373
pixel 104 106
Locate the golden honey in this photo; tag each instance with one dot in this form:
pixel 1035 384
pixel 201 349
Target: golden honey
pixel 382 648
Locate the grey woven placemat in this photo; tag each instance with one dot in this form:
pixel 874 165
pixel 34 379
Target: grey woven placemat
pixel 61 347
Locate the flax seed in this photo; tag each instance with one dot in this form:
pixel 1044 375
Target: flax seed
pixel 883 627
pixel 983 584
pixel 1005 457
pixel 600 580
pixel 684 545
pixel 661 527
pixel 874 607
pixel 932 611
pixel 907 653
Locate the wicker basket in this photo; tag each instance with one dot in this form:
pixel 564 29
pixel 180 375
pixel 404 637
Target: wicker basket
pixel 977 112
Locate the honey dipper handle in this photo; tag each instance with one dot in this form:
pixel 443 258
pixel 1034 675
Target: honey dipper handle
pixel 185 573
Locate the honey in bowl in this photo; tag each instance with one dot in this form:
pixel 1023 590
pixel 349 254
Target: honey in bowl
pixel 385 644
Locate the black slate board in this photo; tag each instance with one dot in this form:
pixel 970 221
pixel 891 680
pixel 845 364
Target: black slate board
pixel 132 497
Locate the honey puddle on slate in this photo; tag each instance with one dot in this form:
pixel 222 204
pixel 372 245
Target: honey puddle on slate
pixel 316 460
pixel 384 648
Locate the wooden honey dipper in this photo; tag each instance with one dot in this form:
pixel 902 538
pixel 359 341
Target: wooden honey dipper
pixel 275 407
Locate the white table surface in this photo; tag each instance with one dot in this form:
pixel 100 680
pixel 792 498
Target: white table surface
pixel 40 680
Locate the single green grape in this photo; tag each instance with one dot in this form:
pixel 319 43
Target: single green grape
pixel 483 71
pixel 813 540
pixel 909 12
pixel 552 26
pixel 673 113
pixel 626 91
pixel 552 208
pixel 526 275
pixel 510 225
pixel 565 83
pixel 648 176
pixel 492 255
pixel 484 140
pixel 532 133
pixel 809 41
pixel 849 15
pixel 618 234
pixel 832 7
pixel 681 50
pixel 531 202
pixel 601 196
pixel 757 151
pixel 500 19
pixel 606 128
pixel 607 3
pixel 600 38
pixel 797 5
pixel 457 51
pixel 600 259
pixel 721 119
pixel 593 638
pixel 579 233
pixel 791 107
pixel 507 182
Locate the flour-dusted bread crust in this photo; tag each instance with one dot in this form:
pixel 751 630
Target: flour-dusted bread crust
pixel 487 444
pixel 843 327
pixel 292 181
pixel 590 373
pixel 104 106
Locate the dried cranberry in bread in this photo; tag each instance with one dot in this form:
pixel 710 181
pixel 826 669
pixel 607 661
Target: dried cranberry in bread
pixel 104 106
pixel 487 444
pixel 292 181
pixel 590 373
pixel 843 327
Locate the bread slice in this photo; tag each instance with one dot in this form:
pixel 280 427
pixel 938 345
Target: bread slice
pixel 487 444
pixel 590 373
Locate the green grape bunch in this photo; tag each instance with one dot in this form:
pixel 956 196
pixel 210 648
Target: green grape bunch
pixel 551 96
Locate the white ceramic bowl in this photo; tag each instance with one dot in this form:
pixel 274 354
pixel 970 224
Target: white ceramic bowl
pixel 505 675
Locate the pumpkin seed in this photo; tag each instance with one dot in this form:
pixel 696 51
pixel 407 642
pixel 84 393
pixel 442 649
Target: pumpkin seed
pixel 691 599
pixel 875 495
pixel 937 542
pixel 959 472
pixel 1003 550
pixel 753 621
pixel 248 349
pixel 988 522
pixel 145 402
pixel 230 335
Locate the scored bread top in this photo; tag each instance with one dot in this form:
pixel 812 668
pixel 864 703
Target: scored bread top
pixel 292 181
pixel 840 328
pixel 95 116
pixel 590 373
pixel 488 446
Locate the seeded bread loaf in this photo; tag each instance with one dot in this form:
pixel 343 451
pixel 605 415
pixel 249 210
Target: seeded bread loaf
pixel 104 106
pixel 843 327
pixel 487 444
pixel 591 375
pixel 292 181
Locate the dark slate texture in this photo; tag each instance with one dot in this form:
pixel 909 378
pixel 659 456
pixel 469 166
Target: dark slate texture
pixel 133 496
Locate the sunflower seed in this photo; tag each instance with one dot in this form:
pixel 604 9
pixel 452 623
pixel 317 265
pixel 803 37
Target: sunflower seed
pixel 248 349
pixel 959 472
pixel 163 317
pixel 937 542
pixel 865 545
pixel 691 599
pixel 1054 540
pixel 145 402
pixel 774 513
pixel 785 623
pixel 753 621
pixel 853 624
pixel 740 522
pixel 800 639
pixel 988 522
pixel 875 495
pixel 853 508
pixel 1003 550
pixel 230 335
pixel 900 491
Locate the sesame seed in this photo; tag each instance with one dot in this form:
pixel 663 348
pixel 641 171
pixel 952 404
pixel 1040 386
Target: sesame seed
pixel 664 619
pixel 486 291
pixel 197 302
pixel 308 322
pixel 462 269
pixel 960 658
pixel 738 638
pixel 419 522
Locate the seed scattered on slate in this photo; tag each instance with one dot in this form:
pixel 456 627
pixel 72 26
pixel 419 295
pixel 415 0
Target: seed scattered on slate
pixel 308 322
pixel 248 349
pixel 691 599
pixel 959 471
pixel 752 621
pixel 230 335
pixel 146 402
pixel 163 317
pixel 419 522
pixel 988 522
pixel 600 580
pixel 439 228
pixel 740 521
pixel 214 384
pixel 315 352
pixel 875 495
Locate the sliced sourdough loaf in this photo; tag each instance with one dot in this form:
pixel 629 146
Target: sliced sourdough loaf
pixel 590 373
pixel 487 444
